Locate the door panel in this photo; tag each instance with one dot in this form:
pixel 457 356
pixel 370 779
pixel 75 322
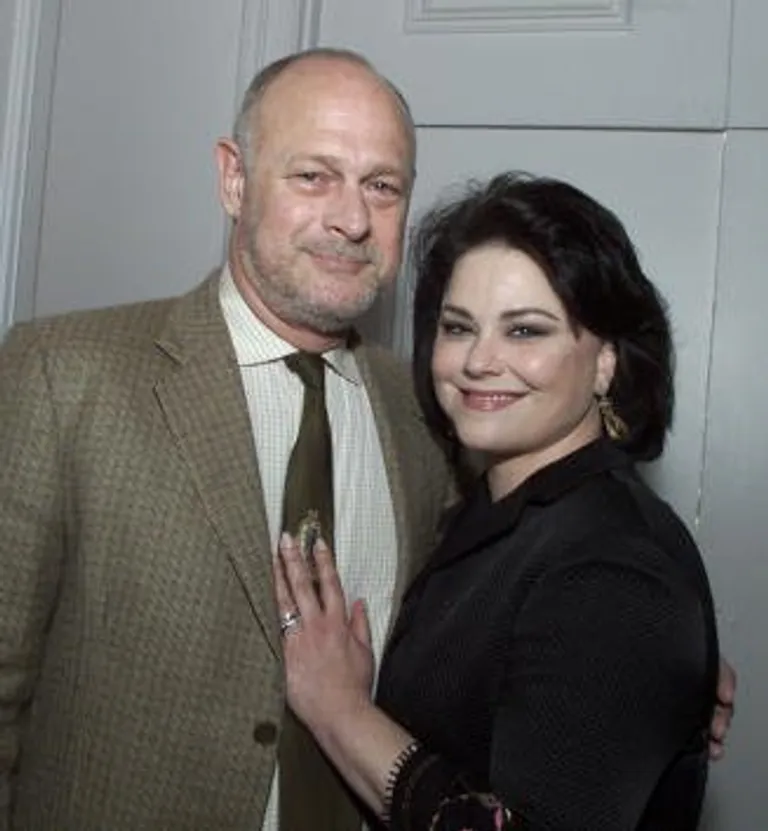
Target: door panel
pixel 749 65
pixel 531 63
pixel 734 515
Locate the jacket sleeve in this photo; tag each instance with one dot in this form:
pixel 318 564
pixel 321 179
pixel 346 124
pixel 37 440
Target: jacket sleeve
pixel 603 685
pixel 31 537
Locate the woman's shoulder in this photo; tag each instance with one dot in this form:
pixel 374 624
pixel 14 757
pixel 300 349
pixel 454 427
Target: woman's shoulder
pixel 616 517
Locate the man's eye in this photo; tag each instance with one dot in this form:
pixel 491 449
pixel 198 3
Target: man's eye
pixel 311 177
pixel 386 189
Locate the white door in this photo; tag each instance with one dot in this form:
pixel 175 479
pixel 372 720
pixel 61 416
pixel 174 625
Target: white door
pixel 647 63
pixel 644 105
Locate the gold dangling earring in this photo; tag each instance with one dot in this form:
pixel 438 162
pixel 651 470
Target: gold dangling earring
pixel 614 424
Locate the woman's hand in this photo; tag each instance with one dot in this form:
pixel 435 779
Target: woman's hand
pixel 329 672
pixel 724 710
pixel 328 657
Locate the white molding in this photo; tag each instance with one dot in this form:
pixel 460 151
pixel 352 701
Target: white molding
pixel 445 16
pixel 270 30
pixel 23 152
pixel 310 24
pixel 15 148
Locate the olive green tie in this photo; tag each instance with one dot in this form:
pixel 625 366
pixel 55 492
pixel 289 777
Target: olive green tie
pixel 312 796
pixel 308 490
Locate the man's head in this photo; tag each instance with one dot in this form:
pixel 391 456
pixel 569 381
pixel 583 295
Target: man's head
pixel 317 182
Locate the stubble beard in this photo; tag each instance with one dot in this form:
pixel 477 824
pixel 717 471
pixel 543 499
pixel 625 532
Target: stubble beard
pixel 280 291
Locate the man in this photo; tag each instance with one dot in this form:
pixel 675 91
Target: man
pixel 142 457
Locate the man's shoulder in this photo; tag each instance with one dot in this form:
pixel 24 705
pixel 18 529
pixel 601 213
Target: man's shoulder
pixel 130 327
pixel 132 322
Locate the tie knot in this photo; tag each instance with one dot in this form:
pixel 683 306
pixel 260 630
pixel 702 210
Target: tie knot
pixel 309 366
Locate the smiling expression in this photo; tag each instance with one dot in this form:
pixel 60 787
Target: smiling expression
pixel 513 374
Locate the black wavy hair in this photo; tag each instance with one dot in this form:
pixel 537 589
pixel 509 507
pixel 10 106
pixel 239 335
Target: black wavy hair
pixel 592 267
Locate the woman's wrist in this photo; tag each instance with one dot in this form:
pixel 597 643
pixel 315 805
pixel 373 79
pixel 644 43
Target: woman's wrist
pixel 364 744
pixel 401 760
pixel 347 717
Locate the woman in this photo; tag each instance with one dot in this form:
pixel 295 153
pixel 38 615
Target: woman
pixel 554 666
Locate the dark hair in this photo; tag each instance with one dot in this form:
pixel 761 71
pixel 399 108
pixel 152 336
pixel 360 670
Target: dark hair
pixel 591 266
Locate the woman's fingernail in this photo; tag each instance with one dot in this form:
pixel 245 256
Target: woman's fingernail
pixel 321 544
pixel 286 540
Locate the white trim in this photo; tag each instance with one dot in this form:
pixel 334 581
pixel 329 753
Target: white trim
pixel 23 152
pixel 14 148
pixel 434 17
pixel 309 34
pixel 270 30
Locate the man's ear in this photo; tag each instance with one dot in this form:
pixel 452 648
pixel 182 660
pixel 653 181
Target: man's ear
pixel 231 167
pixel 605 368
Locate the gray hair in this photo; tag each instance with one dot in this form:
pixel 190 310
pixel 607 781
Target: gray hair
pixel 246 124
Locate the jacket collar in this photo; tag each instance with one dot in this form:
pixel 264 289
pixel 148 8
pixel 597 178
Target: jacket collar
pixel 480 520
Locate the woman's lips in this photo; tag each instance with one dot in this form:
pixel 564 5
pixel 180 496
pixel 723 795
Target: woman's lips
pixel 489 401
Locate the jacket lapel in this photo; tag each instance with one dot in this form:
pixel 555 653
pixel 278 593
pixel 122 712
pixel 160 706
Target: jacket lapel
pixel 204 404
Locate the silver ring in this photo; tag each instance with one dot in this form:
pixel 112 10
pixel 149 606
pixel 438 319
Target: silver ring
pixel 290 621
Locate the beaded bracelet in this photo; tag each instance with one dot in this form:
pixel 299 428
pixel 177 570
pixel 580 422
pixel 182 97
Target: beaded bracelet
pixel 400 762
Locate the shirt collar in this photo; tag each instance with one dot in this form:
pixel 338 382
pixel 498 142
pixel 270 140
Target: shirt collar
pixel 256 344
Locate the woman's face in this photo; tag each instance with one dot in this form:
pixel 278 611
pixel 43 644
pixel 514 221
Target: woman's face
pixel 509 371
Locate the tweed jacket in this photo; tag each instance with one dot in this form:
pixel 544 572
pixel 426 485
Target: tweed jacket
pixel 141 684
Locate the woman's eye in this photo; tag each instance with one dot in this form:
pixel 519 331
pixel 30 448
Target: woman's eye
pixel 522 331
pixel 449 327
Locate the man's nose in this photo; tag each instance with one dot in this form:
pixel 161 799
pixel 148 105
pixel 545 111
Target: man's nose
pixel 349 214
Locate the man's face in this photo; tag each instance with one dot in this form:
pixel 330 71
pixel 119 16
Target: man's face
pixel 319 227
